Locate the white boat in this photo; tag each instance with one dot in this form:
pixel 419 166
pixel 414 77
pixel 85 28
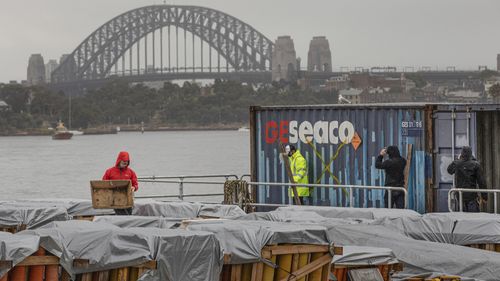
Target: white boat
pixel 243 129
pixel 76 132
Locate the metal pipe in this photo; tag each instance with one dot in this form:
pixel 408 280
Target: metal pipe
pixel 468 126
pixel 495 202
pixel 177 196
pixel 189 176
pixel 461 201
pixel 453 116
pixel 181 189
pixel 185 182
pixel 274 184
pixel 389 199
pixel 351 197
pixel 469 190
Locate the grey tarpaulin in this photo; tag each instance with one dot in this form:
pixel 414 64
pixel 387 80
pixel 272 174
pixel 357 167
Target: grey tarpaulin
pixel 181 255
pixel 436 229
pixel 283 216
pixel 358 256
pixel 220 211
pixel 421 256
pixel 147 207
pixel 74 207
pixel 186 255
pixel 473 228
pixel 452 228
pixel 244 240
pixel 30 216
pixel 354 213
pixel 187 210
pixel 15 248
pixel 138 221
pixel 105 246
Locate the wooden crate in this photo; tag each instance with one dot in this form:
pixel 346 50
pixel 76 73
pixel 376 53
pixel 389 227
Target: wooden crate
pixel 386 270
pixel 13 229
pixel 487 247
pixel 287 263
pixel 42 266
pixel 115 194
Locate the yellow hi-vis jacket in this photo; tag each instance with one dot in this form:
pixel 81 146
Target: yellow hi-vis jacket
pixel 298 165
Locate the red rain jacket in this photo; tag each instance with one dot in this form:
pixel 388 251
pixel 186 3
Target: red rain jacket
pixel 115 173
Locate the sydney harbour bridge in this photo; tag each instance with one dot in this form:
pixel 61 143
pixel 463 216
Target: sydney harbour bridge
pixel 166 42
pixel 169 42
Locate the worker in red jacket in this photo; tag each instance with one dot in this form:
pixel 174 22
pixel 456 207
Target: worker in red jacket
pixel 121 171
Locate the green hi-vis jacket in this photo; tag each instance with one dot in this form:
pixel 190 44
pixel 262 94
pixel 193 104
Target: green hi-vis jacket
pixel 298 165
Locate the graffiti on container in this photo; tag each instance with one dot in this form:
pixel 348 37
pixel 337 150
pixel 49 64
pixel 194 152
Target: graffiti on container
pixel 326 167
pixel 322 132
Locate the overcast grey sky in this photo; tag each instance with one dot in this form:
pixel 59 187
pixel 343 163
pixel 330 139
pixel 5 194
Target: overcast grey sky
pixel 437 33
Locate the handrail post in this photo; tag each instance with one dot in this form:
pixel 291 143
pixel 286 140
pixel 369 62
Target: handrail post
pixel 460 201
pixel 351 197
pixel 405 192
pixel 181 189
pixel 495 202
pixel 450 192
pixel 389 198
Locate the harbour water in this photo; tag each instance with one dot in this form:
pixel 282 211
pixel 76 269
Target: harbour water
pixel 39 167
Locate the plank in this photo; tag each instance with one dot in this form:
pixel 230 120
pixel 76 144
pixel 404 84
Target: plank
pixel 236 272
pixel 316 264
pixel 409 155
pixel 295 249
pixel 148 265
pixel 39 260
pixel 257 271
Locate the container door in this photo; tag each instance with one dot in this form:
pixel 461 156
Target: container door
pixel 453 130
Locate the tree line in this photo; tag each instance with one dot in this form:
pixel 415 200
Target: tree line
pixel 119 103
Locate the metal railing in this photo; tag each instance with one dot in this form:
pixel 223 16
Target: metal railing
pixel 351 188
pixel 460 192
pixel 181 181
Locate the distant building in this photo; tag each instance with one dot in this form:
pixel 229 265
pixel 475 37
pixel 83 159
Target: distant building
pixel 36 70
pixel 338 82
pixel 319 58
pixel 465 96
pixel 284 59
pixel 490 82
pixel 4 106
pixel 498 62
pixel 384 95
pixel 49 68
pixel 353 96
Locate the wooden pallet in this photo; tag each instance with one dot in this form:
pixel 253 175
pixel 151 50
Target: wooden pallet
pixel 284 263
pixel 341 272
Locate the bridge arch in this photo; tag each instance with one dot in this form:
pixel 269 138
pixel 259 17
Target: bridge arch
pixel 241 46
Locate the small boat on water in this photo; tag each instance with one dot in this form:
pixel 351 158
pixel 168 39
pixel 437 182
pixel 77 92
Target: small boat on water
pixel 61 132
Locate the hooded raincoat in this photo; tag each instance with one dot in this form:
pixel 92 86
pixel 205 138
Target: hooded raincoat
pixel 116 173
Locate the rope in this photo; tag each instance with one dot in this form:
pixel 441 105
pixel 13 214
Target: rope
pixel 237 192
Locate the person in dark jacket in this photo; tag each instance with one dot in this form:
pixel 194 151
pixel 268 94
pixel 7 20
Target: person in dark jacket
pixel 468 174
pixel 394 168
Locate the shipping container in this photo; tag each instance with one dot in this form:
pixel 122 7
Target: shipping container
pixel 341 143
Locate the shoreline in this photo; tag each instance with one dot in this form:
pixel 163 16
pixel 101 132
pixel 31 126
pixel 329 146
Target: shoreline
pixel 107 131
